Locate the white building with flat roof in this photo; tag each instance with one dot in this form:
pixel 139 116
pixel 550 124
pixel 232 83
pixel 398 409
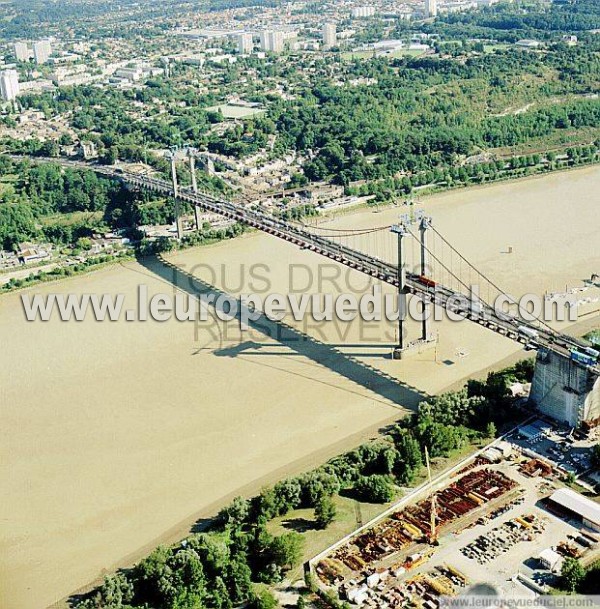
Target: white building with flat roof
pixel 245 43
pixel 272 40
pixel 22 52
pixel 42 49
pixel 431 9
pixel 9 84
pixel 551 560
pixel 360 12
pixel 329 35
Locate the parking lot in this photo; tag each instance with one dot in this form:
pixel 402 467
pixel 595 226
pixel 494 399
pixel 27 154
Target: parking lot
pixel 557 445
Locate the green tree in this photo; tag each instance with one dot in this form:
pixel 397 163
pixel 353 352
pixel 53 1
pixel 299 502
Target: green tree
pixel 115 592
pixel 16 224
pixel 595 456
pixel 235 514
pixel 572 574
pixel 325 512
pixel 286 550
pixel 264 600
pixel 490 430
pixel 375 489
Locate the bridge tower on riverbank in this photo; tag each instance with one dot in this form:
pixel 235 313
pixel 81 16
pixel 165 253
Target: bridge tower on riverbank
pixel 172 157
pixel 565 390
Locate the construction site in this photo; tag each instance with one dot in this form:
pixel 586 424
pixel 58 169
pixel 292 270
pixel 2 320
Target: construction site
pixel 502 518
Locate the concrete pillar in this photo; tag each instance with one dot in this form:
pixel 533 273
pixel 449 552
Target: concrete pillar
pixel 565 390
pixel 423 227
pixel 400 231
pixel 176 195
pixel 192 160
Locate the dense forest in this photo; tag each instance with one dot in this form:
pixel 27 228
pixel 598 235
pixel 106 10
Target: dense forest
pixel 50 203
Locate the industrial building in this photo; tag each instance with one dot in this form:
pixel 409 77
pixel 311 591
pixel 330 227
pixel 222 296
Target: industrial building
pixel 575 505
pixel 551 560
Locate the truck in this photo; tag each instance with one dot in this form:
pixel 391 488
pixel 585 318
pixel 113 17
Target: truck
pixel 529 332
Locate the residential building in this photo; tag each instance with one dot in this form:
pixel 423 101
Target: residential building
pixel 42 50
pixel 361 12
pixel 9 84
pixel 22 52
pixel 329 35
pixel 272 40
pixel 431 9
pixel 245 43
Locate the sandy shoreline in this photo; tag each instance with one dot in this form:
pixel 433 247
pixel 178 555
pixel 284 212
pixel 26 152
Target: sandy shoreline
pixel 146 428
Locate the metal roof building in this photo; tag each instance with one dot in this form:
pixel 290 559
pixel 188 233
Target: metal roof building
pixel 584 508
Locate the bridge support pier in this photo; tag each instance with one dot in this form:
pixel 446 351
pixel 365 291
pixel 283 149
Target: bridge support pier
pixel 172 157
pixel 401 232
pixel 191 152
pixel 423 227
pixel 565 390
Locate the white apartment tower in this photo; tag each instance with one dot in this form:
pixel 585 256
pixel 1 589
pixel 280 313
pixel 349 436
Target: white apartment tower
pixel 360 12
pixel 272 40
pixel 329 35
pixel 431 8
pixel 41 51
pixel 9 85
pixel 21 51
pixel 245 43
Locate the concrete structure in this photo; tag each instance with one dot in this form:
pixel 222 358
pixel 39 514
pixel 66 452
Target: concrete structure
pixel 579 506
pixel 42 49
pixel 88 150
pixel 329 35
pixel 431 8
pixel 22 52
pixel 565 390
pixel 528 44
pixel 245 43
pixel 551 560
pixel 9 84
pixel 272 40
pixel 360 12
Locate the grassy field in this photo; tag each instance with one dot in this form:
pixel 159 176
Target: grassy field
pixel 75 217
pixel 231 111
pixel 351 514
pixel 491 48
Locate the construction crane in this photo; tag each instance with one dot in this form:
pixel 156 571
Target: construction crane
pixel 433 529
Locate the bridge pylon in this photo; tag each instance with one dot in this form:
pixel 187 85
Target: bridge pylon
pixel 172 156
pixel 424 226
pixel 191 154
pixel 400 231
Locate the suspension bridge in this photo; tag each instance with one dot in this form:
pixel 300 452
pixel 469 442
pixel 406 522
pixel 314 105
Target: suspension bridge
pixel 567 369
